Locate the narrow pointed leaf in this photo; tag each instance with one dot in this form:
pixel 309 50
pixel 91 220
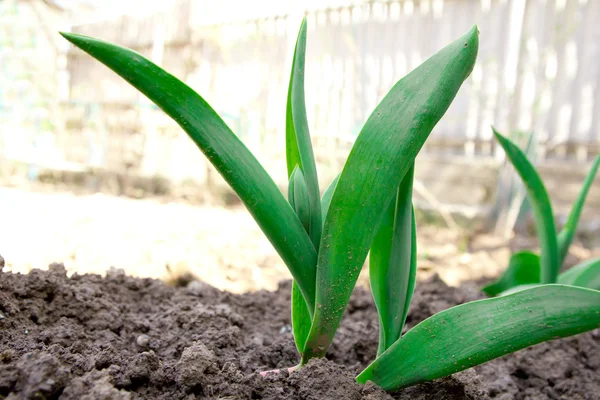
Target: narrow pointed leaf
pixel 225 151
pixel 301 319
pixel 298 197
pixel 299 150
pixel 301 316
pixel 392 264
pixel 565 237
pixel 473 333
pixel 586 274
pixel 326 199
pixel 383 152
pixel 523 268
pixel 542 209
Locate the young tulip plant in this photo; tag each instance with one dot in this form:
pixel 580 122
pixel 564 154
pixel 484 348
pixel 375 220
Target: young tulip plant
pixel 324 241
pixel 526 268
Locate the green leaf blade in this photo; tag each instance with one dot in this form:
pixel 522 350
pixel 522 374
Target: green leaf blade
pixel 224 150
pixel 542 209
pixel 301 318
pixel 523 268
pixel 392 264
pixel 565 237
pixel 298 197
pixel 382 154
pixel 477 332
pixel 586 274
pixel 299 150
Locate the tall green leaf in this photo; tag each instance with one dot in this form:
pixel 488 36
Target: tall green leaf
pixel 393 266
pixel 586 274
pixel 523 268
pixel 383 152
pixel 473 333
pixel 565 237
pixel 225 151
pixel 301 316
pixel 299 150
pixel 542 209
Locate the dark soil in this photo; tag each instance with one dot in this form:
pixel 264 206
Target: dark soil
pixel 93 338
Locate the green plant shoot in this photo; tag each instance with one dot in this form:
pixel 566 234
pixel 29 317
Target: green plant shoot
pixel 527 268
pixel 368 206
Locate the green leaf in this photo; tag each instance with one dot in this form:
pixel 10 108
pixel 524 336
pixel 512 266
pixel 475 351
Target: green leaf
pixel 298 197
pixel 586 274
pixel 225 151
pixel 301 319
pixel 326 200
pixel 393 266
pixel 542 209
pixel 523 268
pixel 519 288
pixel 299 149
pixel 301 314
pixel 473 333
pixel 383 153
pixel 565 237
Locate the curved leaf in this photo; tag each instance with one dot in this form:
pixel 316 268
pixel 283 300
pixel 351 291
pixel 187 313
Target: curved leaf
pixel 473 333
pixel 224 150
pixel 392 264
pixel 565 237
pixel 542 209
pixel 586 274
pixel 298 146
pixel 523 268
pixel 382 154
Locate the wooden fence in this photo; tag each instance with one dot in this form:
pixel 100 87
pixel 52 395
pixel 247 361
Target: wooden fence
pixel 536 71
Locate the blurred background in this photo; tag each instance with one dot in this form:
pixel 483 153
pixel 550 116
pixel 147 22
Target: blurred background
pixel 93 175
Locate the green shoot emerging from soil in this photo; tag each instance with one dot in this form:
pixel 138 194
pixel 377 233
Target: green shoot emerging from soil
pixel 325 240
pixel 528 268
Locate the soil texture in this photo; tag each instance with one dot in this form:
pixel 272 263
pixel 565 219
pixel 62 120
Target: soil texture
pixel 96 338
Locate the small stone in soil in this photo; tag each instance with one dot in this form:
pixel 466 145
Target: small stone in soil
pixel 194 361
pixel 143 340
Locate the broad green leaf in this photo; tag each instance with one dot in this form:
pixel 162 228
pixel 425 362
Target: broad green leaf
pixel 523 268
pixel 225 151
pixel 383 152
pixel 586 274
pixel 565 237
pixel 473 333
pixel 392 264
pixel 298 145
pixel 298 197
pixel 542 209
